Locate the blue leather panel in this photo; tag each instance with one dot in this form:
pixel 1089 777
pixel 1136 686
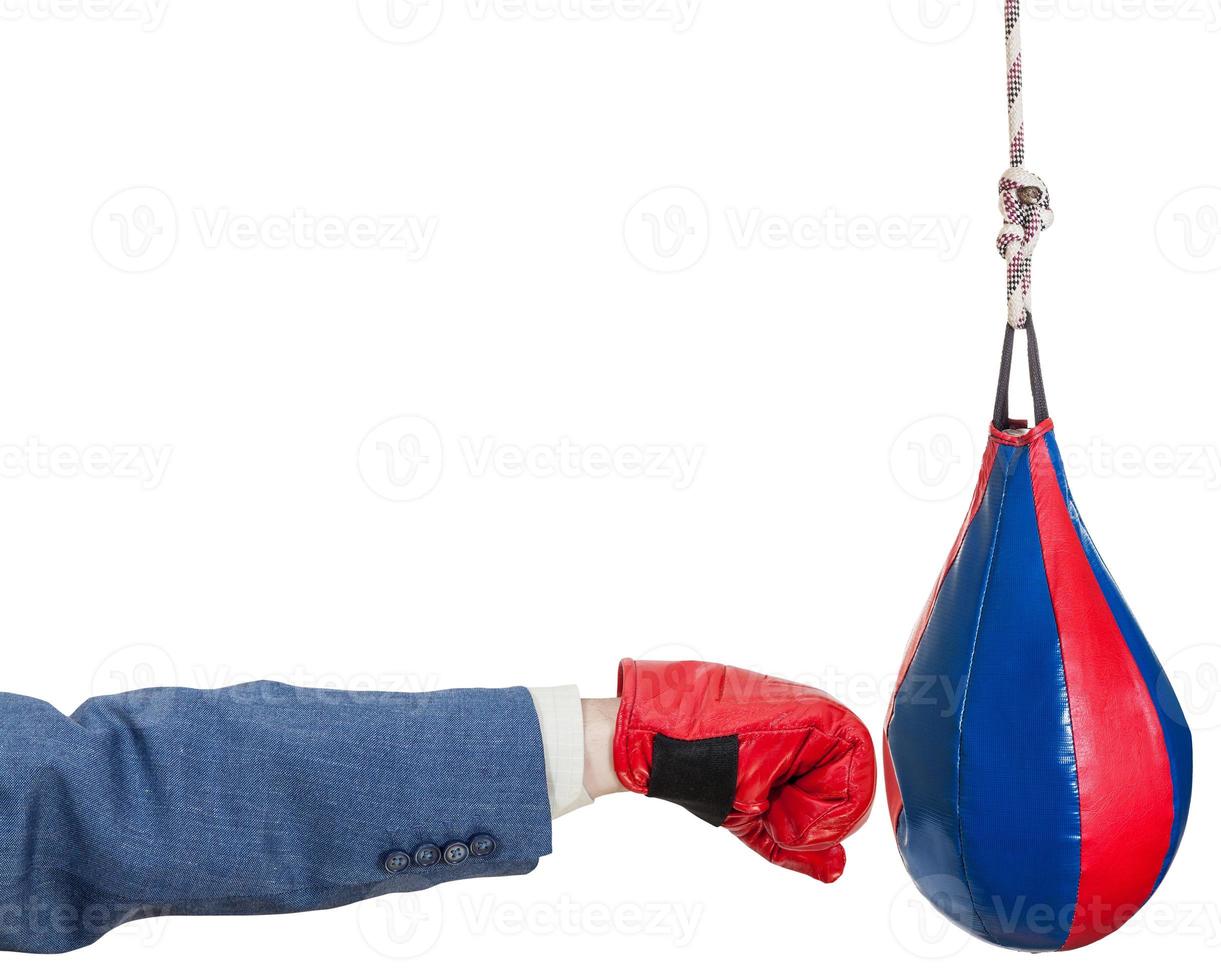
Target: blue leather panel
pixel 924 732
pixel 1018 801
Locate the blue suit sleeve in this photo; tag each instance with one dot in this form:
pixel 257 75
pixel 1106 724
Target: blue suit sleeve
pixel 255 799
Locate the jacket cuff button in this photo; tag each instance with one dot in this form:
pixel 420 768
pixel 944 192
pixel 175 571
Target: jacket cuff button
pixel 482 845
pixel 396 861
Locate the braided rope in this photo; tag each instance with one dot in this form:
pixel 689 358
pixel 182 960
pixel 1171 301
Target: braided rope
pixel 1024 200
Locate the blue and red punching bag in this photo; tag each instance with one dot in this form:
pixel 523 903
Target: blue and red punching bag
pixel 1038 765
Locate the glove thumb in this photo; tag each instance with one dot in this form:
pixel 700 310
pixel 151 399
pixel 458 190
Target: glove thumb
pixel 825 863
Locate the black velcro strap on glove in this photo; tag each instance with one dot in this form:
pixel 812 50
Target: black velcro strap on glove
pixel 700 775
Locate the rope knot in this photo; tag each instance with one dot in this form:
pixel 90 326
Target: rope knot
pixel 1025 205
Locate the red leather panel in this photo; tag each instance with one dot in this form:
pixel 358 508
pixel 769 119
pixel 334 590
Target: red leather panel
pixel 1125 821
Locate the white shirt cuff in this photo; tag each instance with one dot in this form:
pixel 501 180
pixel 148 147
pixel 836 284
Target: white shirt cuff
pixel 563 730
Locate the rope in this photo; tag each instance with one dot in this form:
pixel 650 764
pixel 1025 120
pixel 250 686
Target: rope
pixel 1024 200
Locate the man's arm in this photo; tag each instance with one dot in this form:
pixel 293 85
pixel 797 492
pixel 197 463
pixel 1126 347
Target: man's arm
pixel 256 798
pixel 269 798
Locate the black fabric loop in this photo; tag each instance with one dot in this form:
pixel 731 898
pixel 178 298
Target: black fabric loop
pixel 701 775
pixel 1000 411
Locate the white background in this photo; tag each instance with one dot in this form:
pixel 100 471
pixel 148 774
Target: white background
pixel 380 377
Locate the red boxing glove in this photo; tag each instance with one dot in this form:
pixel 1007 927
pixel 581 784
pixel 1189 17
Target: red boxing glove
pixel 785 768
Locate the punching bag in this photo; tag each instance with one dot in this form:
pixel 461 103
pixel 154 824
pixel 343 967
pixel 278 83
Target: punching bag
pixel 1038 764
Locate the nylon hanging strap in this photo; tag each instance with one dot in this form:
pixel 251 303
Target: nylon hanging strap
pixel 1026 206
pixel 1000 412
